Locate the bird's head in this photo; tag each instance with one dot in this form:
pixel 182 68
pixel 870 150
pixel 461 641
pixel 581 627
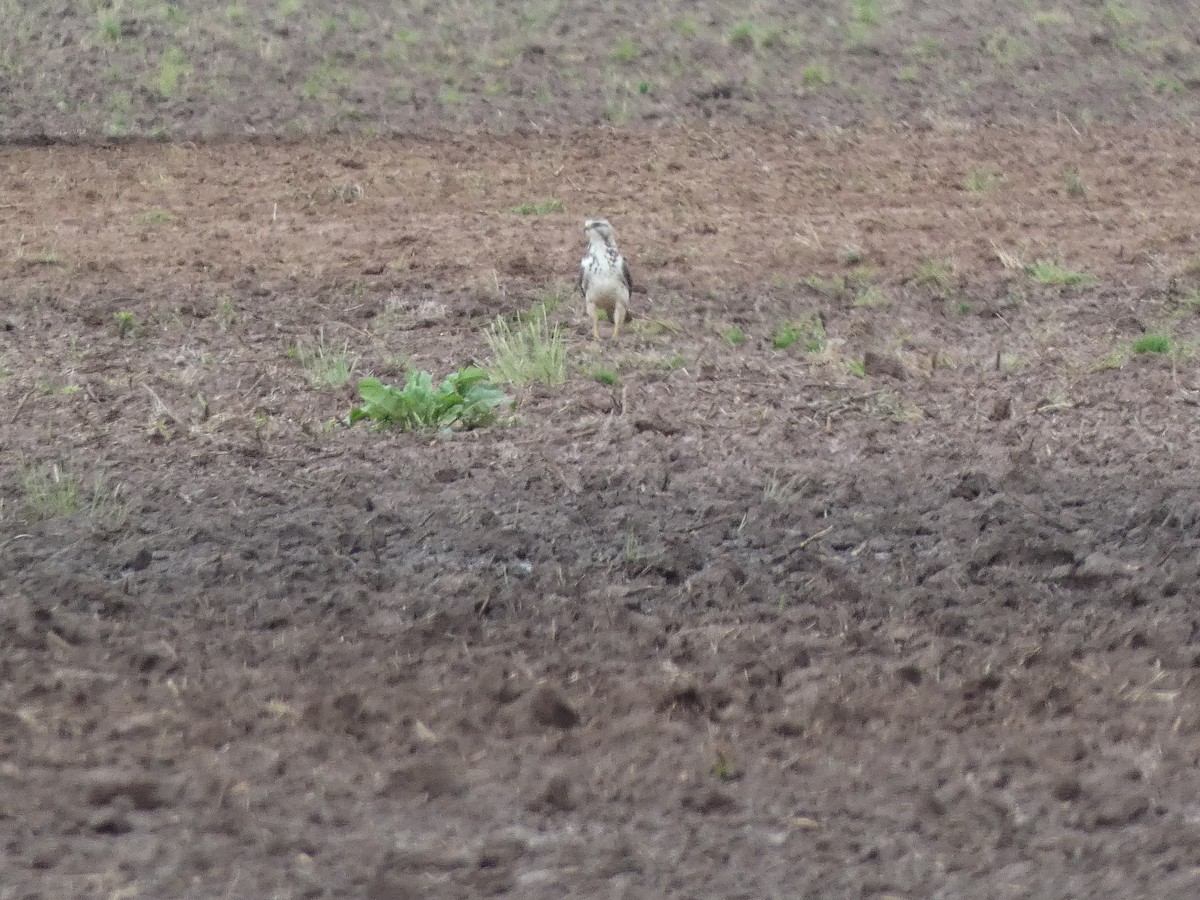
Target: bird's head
pixel 600 232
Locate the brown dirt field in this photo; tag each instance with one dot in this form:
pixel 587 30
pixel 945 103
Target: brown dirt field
pixel 911 615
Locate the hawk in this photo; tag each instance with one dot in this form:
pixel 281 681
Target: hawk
pixel 604 277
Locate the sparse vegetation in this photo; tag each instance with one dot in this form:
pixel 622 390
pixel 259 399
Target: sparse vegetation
pixel 324 365
pixel 1075 185
pixel 626 50
pixel 934 273
pixel 982 180
pixel 542 208
pixel 126 323
pixel 1054 274
pixel 605 376
pixel 1152 343
pixel 51 491
pixel 172 68
pixel 465 399
pixel 808 332
pixel 531 351
pixel 734 335
pixel 817 74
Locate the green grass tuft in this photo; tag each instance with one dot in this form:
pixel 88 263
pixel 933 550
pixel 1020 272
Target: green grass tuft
pixel 1051 273
pixel 1152 343
pixel 325 365
pixel 531 351
pixel 545 207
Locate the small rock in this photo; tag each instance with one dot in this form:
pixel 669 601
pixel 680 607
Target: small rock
pixel 1001 409
pixel 140 560
pixel 709 800
pixel 556 796
pixel 431 778
pixel 548 708
pixel 883 364
pixel 142 792
pixel 1067 789
pixel 1121 811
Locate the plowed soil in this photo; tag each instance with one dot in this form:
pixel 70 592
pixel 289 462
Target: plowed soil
pixel 905 609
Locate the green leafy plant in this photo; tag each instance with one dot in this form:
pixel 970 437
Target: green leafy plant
pixel 734 335
pixel 465 399
pixel 531 351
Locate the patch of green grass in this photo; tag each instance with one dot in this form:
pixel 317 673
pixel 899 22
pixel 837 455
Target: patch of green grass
pixel 934 273
pixel 817 74
pixel 110 26
pixel 325 78
pixel 809 332
pixel 358 20
pixel 236 15
pixel 465 399
pixel 227 314
pixel 908 73
pixel 852 256
pixel 172 69
pixel 857 368
pixel 981 180
pixel 451 96
pixel 1152 343
pixel 865 12
pixel 626 51
pixel 1005 49
pixel 45 258
pixel 531 351
pixel 734 335
pixel 52 492
pixel 1054 274
pixel 155 217
pixel 1120 15
pixel 545 207
pixel 325 365
pixel 785 335
pixel 743 36
pixel 871 296
pixel 605 376
pixel 688 26
pixel 1075 185
pixel 925 51
pixel 126 323
pixel 1168 84
pixel 1051 18
pixel 833 286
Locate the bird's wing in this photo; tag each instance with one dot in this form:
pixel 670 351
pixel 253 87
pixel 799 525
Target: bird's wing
pixel 626 276
pixel 583 277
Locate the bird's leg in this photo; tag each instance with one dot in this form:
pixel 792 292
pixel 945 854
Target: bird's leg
pixel 618 318
pixel 595 327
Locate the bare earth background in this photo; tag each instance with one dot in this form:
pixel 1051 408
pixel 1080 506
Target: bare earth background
pixel 907 609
